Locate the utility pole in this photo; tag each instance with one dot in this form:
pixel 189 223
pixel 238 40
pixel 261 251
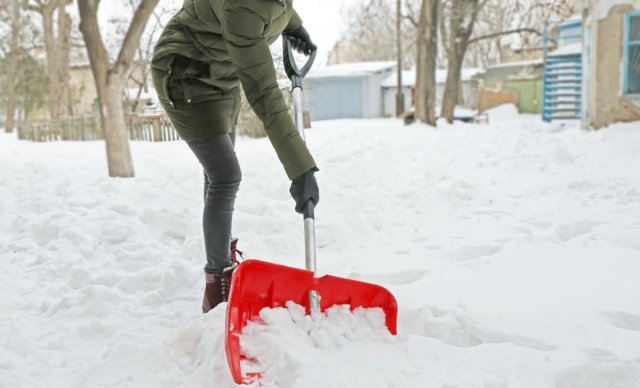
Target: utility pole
pixel 399 94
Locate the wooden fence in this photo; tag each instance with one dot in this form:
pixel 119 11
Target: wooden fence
pixel 85 128
pixel 151 128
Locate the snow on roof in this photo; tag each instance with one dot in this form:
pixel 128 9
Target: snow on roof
pixel 577 18
pixel 570 49
pixel 357 69
pixel 532 62
pixel 604 6
pixel 409 77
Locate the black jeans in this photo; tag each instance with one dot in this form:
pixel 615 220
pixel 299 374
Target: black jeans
pixel 222 178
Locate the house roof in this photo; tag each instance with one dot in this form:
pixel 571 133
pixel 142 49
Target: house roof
pixel 409 77
pixel 569 49
pixel 358 69
pixel 572 21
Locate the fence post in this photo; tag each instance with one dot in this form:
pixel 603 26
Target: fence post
pixel 157 133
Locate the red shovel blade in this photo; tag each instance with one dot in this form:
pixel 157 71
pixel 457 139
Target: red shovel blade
pixel 258 284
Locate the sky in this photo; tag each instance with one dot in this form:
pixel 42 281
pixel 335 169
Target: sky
pixel 323 20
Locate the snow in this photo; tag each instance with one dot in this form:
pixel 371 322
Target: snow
pixel 409 77
pixel 570 49
pixel 531 62
pixel 505 112
pixel 294 347
pixel 149 94
pixel 357 69
pixel 512 249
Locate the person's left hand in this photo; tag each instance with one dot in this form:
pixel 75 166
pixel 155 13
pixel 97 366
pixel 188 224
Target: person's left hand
pixel 300 40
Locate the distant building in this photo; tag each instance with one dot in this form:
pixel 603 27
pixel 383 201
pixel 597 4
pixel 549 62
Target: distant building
pixel 563 75
pixel 390 88
pixel 518 83
pixel 611 62
pixel 593 73
pixel 342 52
pixel 350 90
pixel 84 96
pixel 82 88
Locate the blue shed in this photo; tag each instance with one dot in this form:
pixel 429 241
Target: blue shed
pixel 349 90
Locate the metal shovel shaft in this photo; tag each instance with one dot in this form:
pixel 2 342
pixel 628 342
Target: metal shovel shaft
pixel 309 219
pixel 296 75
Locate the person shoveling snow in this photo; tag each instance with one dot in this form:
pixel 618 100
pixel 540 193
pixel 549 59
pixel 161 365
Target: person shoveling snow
pixel 197 66
pixel 233 38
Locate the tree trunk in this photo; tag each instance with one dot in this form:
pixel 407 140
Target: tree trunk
pixel 426 64
pixel 57 47
pixel 116 137
pixel 13 67
pixel 64 103
pixel 461 21
pixel 451 97
pixel 110 81
pixel 52 63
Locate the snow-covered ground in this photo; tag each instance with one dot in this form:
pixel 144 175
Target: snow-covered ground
pixel 513 250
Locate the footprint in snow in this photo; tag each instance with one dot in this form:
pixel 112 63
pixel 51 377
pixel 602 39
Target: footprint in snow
pixel 458 328
pixel 393 278
pixel 623 320
pixel 474 252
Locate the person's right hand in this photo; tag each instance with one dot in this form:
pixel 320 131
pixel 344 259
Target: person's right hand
pixel 305 188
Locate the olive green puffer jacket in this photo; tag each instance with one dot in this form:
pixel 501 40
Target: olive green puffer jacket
pixel 233 38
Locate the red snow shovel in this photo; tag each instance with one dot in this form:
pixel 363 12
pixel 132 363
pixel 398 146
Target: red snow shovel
pixel 258 284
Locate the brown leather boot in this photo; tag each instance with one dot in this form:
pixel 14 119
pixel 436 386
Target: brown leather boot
pixel 217 288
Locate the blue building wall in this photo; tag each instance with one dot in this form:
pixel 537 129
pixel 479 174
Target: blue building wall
pixel 335 98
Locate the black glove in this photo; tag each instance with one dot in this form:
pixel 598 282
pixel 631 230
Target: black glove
pixel 301 41
pixel 305 188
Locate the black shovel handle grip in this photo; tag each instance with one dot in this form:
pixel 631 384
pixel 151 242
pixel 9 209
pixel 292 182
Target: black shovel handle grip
pixel 294 73
pixel 308 211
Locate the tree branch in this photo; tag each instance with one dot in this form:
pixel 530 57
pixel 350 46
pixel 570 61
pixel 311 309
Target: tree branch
pixel 93 39
pixel 411 20
pixel 409 15
pixel 508 32
pixel 132 38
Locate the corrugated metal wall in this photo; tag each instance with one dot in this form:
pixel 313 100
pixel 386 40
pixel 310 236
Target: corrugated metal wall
pixel 335 98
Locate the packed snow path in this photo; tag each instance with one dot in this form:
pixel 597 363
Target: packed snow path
pixel 513 250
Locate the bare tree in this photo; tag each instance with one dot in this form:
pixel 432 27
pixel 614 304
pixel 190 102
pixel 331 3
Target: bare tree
pixel 12 67
pixel 499 19
pixel 144 53
pixel 426 62
pixel 371 33
pixel 460 18
pixel 56 42
pixel 111 79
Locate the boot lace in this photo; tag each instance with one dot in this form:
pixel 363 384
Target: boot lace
pixel 225 286
pixel 235 252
